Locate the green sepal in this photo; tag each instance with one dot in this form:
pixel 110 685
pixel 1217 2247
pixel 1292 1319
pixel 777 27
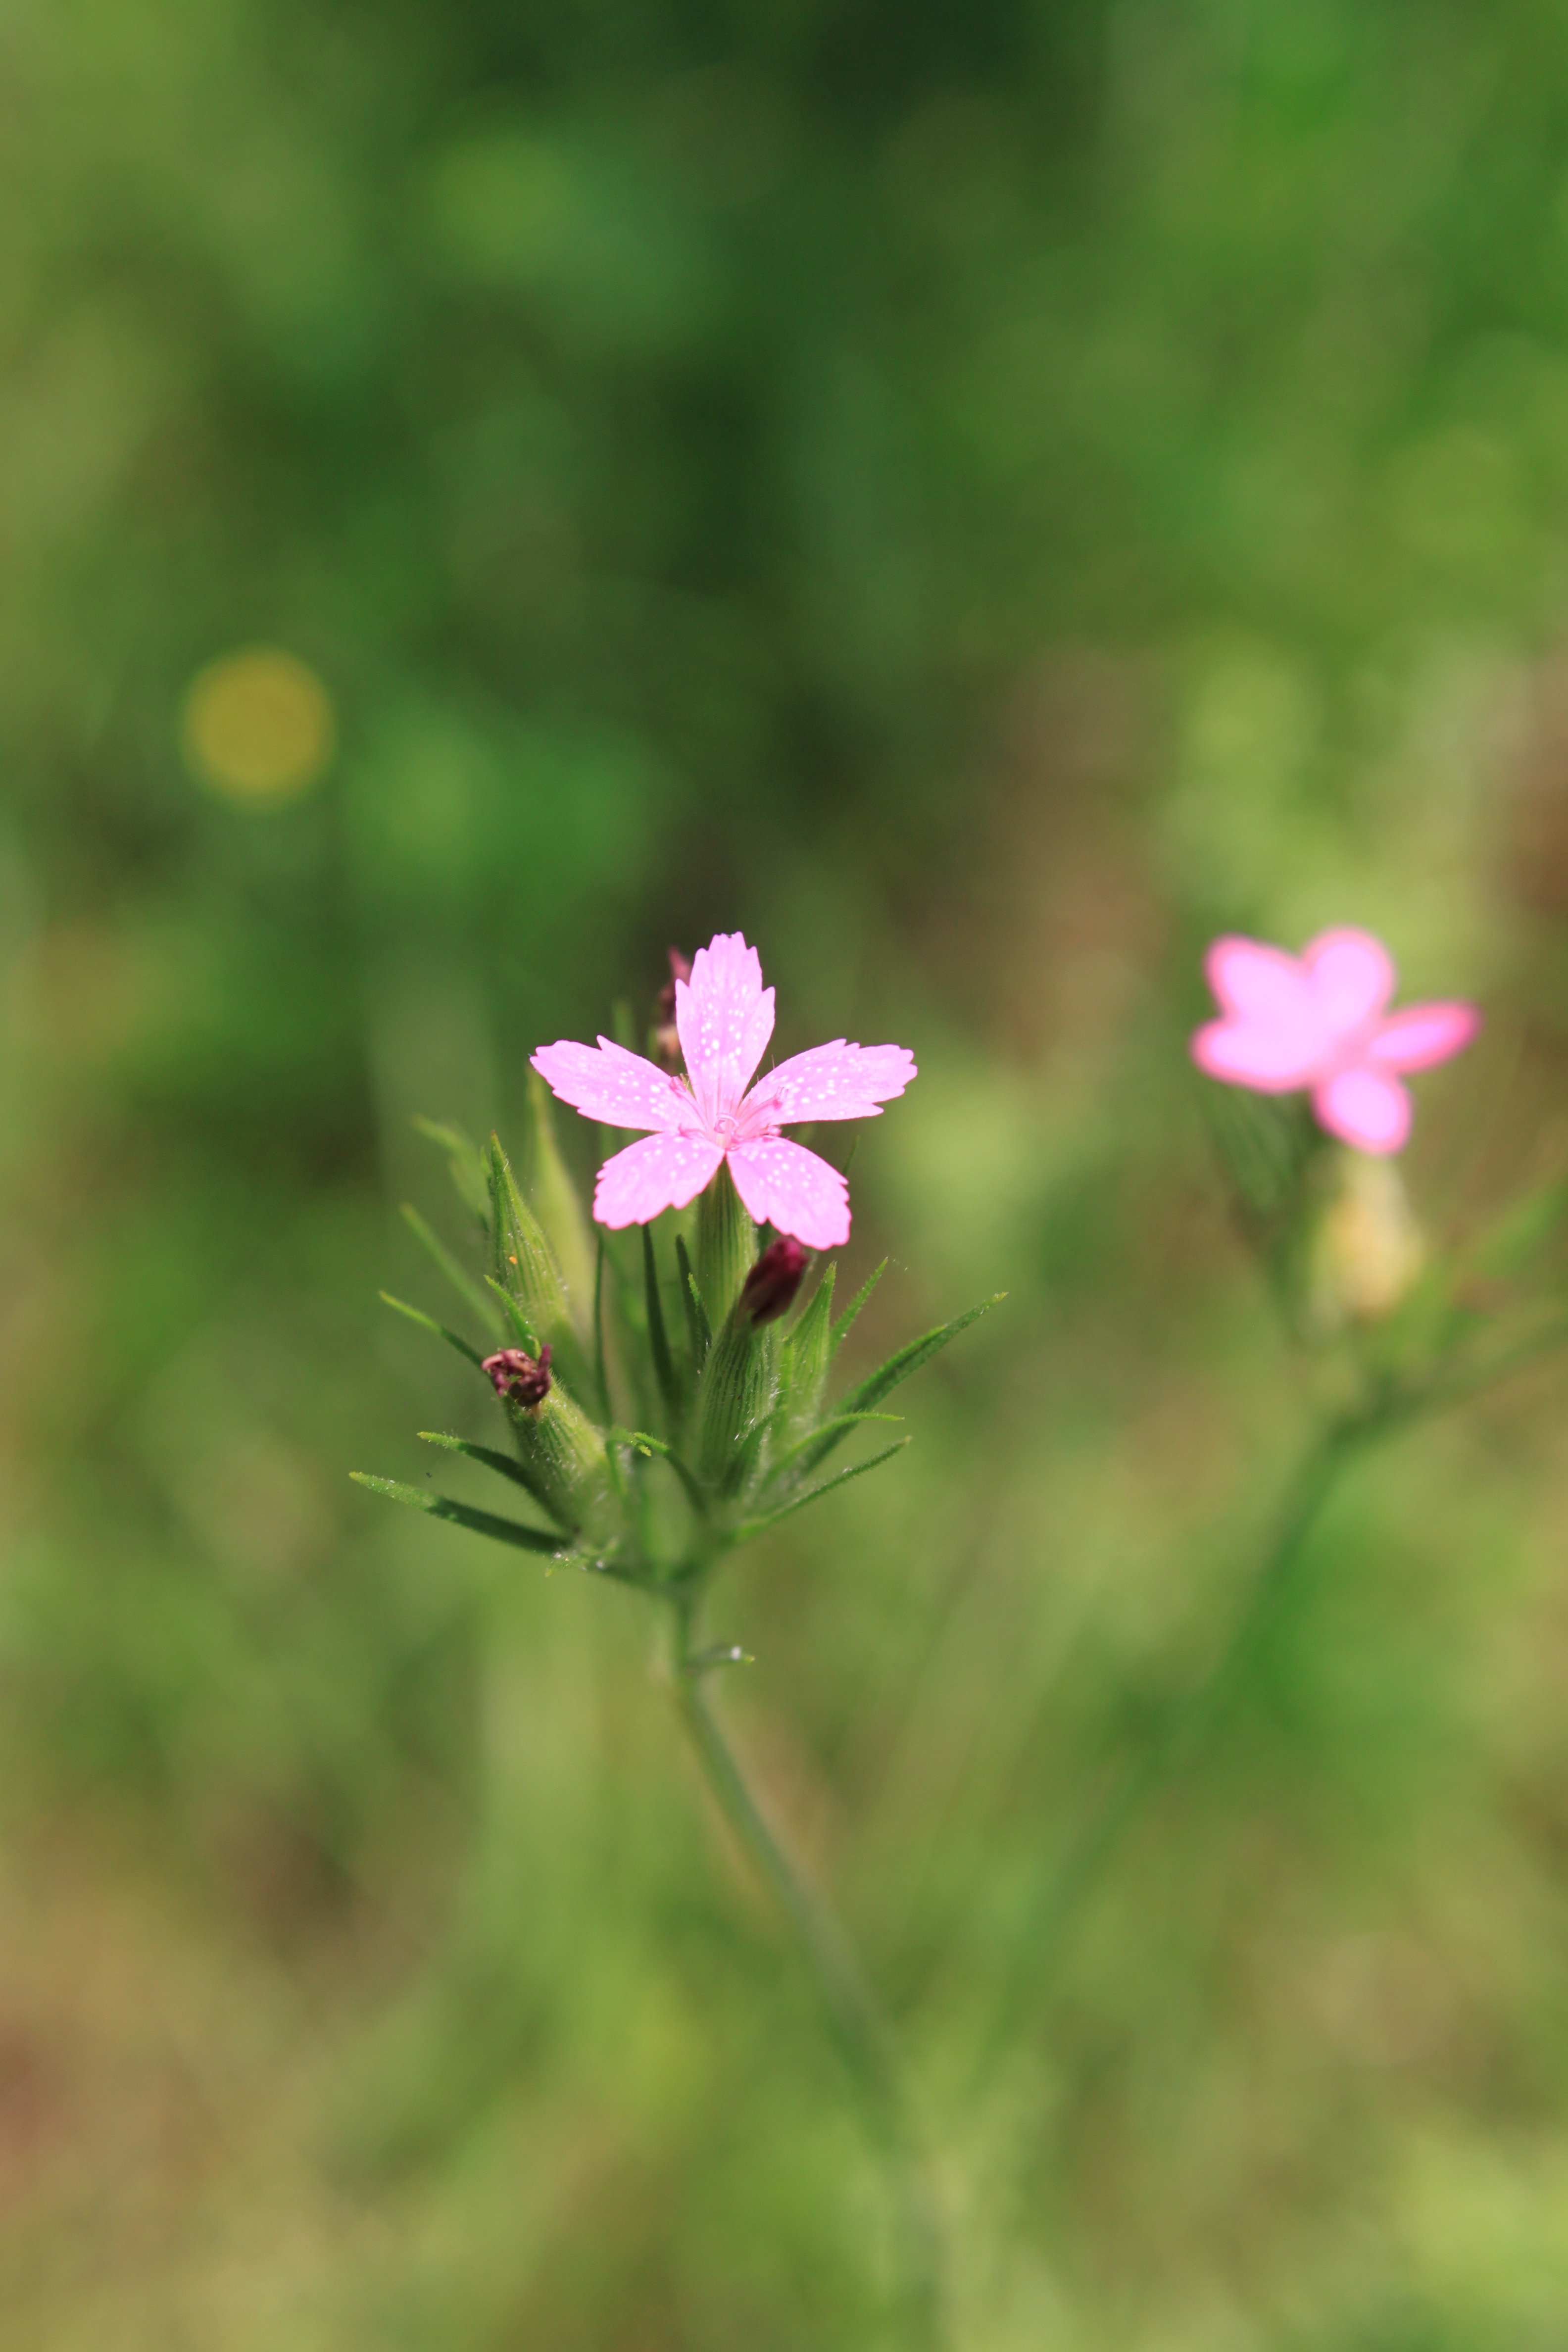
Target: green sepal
pixel 559 1447
pixel 658 1336
pixel 907 1360
pixel 428 1323
pixel 518 1472
pixel 726 1245
pixel 560 1210
pixel 736 1392
pixel 462 1515
pixel 807 1352
pixel 466 1163
pixel 521 1260
pixel 749 1528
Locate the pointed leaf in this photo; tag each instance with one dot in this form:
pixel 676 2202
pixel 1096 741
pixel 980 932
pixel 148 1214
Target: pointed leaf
pixel 887 1377
pixel 798 1502
pixel 850 1316
pixel 480 1523
pixel 428 1323
pixel 839 1427
pixel 518 1472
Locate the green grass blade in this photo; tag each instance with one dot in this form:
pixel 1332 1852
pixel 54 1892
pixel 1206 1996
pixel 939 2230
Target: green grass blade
pixel 524 1334
pixel 640 1440
pixel 698 1329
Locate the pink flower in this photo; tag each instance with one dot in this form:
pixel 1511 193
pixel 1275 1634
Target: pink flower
pixel 725 1016
pixel 1318 1020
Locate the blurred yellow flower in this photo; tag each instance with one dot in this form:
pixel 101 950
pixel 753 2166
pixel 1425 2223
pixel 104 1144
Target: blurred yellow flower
pixel 258 727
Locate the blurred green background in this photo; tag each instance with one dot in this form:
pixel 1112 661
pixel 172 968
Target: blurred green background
pixel 980 496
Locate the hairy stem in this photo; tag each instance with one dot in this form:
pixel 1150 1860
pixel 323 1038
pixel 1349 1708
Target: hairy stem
pixel 860 2029
pixel 1074 1871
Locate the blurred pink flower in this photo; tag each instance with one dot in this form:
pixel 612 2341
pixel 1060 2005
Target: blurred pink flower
pixel 1317 1020
pixel 725 1016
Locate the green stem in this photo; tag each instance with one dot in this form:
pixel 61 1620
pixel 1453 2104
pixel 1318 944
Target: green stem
pixel 860 2028
pixel 1072 1875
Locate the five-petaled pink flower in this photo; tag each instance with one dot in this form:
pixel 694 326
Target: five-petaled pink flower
pixel 1318 1020
pixel 725 1016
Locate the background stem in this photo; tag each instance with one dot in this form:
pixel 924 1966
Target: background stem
pixel 1073 1874
pixel 860 2028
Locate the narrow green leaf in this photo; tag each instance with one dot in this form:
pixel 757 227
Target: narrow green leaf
pixel 508 1466
pixel 524 1334
pixel 478 1523
pixel 642 1443
pixel 907 1360
pixel 887 1377
pixel 428 1323
pixel 839 1426
pixel 749 1528
pixel 850 1316
pixel 462 1282
pixel 657 1337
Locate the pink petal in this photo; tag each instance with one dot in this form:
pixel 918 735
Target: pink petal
pixel 1423 1034
pixel 1363 1107
pixel 1351 978
pixel 605 1082
pixel 1251 1052
pixel 657 1173
pixel 725 1017
pixel 1257 982
pixel 837 1081
pixel 785 1185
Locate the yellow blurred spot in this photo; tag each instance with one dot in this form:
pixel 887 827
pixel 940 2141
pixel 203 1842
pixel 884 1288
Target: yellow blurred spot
pixel 258 727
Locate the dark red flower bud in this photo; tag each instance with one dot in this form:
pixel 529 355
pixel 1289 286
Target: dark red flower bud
pixel 666 1035
pixel 518 1379
pixel 769 1289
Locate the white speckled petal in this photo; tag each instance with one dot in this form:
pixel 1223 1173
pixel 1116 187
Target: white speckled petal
pixel 725 1017
pixel 656 1172
pixel 605 1082
pixel 836 1081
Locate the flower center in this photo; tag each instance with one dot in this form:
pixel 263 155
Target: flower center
pixel 724 1129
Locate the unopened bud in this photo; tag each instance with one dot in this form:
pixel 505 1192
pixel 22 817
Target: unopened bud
pixel 769 1289
pixel 519 1379
pixel 666 1035
pixel 1367 1250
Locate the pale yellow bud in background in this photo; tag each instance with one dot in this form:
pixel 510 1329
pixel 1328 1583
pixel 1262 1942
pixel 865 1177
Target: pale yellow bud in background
pixel 1367 1250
